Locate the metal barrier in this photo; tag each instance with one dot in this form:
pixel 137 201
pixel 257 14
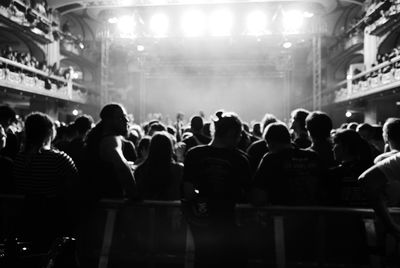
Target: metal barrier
pixel 278 214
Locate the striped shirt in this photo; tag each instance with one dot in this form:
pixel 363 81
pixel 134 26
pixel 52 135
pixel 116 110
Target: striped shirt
pixel 44 173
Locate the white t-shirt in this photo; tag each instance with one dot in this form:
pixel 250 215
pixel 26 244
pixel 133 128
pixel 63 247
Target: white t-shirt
pixel 391 168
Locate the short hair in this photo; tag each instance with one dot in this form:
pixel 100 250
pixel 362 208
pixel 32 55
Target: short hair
pixel 108 110
pixel 352 126
pixel 391 129
pixel 196 123
pixel 268 119
pixel 83 123
pixel 226 122
pixel 6 114
pixel 38 127
pixel 300 116
pixel 319 124
pixel 351 140
pixel 365 127
pixel 278 133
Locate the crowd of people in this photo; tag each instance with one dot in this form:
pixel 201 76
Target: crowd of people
pixel 28 60
pixel 210 165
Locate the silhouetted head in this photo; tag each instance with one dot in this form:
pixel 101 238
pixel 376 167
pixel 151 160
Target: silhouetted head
pixel 298 119
pixel 7 116
pixel 277 136
pixel 196 123
pixel 160 149
pixel 267 119
pixel 39 130
pixel 227 128
pixel 391 132
pixel 114 119
pixel 319 125
pixel 348 146
pixel 83 124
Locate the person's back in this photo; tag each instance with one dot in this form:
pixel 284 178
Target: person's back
pixel 354 157
pixel 159 177
pixel 216 177
pixel 286 175
pixel 319 126
pixel 290 177
pixel 219 175
pixel 46 177
pixel 258 149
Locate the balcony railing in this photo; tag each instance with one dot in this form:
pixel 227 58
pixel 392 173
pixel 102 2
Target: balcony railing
pixel 369 82
pixel 34 81
pixel 157 233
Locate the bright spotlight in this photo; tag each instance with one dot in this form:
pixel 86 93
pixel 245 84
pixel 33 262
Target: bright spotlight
pixel 112 20
pixel 292 21
pixel 126 24
pixel 159 25
pixel 75 112
pixel 307 14
pixel 193 23
pixel 348 114
pixel 256 23
pixel 140 48
pixel 287 44
pixel 220 23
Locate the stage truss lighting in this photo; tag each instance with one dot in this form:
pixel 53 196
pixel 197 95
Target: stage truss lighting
pixel 221 22
pixel 159 24
pixel 193 23
pixel 256 23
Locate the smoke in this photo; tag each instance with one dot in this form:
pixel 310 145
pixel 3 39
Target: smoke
pixel 249 96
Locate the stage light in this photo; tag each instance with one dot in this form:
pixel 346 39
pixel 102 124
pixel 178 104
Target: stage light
pixel 126 24
pixel 348 114
pixel 287 44
pixel 292 21
pixel 193 23
pixel 159 25
pixel 307 14
pixel 220 23
pixel 75 112
pixel 112 20
pixel 256 23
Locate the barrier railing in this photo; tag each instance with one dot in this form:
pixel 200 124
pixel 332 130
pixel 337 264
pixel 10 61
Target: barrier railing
pixel 280 217
pixel 31 80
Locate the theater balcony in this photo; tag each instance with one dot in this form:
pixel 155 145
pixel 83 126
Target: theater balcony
pixel 35 22
pixel 381 79
pixel 23 79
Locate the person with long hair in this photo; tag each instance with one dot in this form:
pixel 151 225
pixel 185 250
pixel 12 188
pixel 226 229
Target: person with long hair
pixel 159 176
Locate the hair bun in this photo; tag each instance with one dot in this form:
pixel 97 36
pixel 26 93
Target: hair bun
pixel 219 114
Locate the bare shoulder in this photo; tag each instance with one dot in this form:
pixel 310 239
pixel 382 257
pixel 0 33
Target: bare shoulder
pixel 110 142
